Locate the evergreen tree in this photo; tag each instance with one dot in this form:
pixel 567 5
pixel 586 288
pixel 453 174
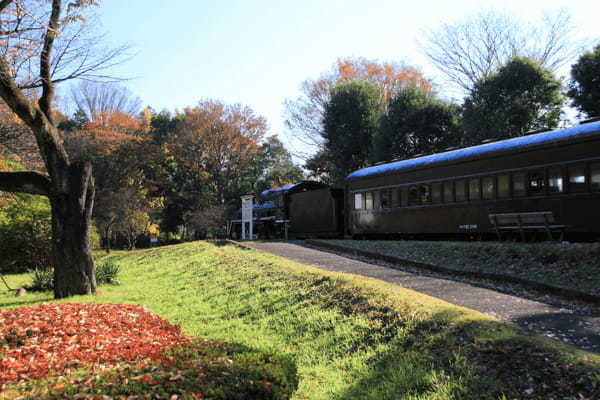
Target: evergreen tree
pixel 521 97
pixel 350 122
pixel 584 88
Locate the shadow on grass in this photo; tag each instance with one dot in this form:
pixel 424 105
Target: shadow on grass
pixel 24 302
pixel 577 329
pixel 473 360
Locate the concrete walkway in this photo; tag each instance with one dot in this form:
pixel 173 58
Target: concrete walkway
pixel 570 325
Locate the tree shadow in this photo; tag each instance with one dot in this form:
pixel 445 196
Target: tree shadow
pixel 473 360
pixel 24 302
pixel 580 330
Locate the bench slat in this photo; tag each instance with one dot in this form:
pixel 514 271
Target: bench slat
pixel 540 220
pixel 533 227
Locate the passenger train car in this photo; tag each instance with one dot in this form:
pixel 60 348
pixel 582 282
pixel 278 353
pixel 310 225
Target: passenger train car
pixel 455 192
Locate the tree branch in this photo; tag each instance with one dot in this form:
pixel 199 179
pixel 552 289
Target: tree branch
pixel 25 182
pixel 46 61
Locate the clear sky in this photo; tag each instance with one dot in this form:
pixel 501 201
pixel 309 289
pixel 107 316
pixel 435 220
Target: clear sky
pixel 257 52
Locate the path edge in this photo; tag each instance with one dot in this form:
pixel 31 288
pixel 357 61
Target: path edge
pixel 566 293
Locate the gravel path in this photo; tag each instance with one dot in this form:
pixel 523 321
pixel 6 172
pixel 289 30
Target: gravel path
pixel 569 324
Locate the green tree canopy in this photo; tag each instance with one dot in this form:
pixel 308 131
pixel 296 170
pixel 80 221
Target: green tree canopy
pixel 521 97
pixel 350 122
pixel 416 122
pixel 584 88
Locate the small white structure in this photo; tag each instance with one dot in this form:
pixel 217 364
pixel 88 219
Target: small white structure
pixel 247 217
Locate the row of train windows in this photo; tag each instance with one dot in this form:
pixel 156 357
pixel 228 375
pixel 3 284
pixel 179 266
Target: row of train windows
pixel 572 179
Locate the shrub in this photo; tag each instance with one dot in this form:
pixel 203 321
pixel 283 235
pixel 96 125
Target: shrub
pixel 42 279
pixel 107 272
pixel 26 232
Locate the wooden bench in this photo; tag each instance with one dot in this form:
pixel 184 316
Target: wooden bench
pixel 543 221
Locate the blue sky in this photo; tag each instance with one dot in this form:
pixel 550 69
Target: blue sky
pixel 257 52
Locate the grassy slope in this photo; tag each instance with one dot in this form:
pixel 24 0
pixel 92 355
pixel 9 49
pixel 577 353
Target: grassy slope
pixel 569 265
pixel 350 337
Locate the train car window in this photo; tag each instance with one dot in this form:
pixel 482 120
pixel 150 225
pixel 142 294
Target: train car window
pixel 595 175
pixel 536 183
pixel 519 188
pixel 425 193
pixel 460 188
pixel 436 193
pixel 385 199
pixel 555 180
pixel 396 197
pixel 577 182
pixel 377 200
pixel 448 192
pixel 488 187
pixel 503 186
pixel 358 201
pixel 413 195
pixel 404 196
pixel 369 200
pixel 474 189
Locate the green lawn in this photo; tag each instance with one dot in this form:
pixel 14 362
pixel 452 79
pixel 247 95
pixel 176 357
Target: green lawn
pixel 568 265
pixel 349 337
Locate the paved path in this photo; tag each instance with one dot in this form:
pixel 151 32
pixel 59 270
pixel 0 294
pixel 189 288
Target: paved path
pixel 572 326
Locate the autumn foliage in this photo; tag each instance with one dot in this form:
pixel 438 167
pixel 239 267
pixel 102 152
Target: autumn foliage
pixel 124 351
pixel 56 337
pixel 304 116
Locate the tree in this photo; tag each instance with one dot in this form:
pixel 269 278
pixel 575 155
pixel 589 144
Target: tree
pixel 219 141
pixel 17 141
pixel 584 88
pixel 121 159
pixel 304 116
pixel 52 38
pixel 521 97
pixel 276 168
pixel 350 122
pixel 416 122
pixel 473 48
pixel 101 100
pixel 319 167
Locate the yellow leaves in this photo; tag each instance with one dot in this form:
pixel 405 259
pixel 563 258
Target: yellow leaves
pixel 153 230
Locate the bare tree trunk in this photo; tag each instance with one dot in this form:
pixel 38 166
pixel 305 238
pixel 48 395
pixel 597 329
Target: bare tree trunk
pixel 107 239
pixel 74 271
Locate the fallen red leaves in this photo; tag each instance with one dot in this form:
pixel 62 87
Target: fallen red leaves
pixel 45 340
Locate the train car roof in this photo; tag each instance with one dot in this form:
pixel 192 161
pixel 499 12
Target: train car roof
pixel 295 187
pixel 265 205
pixel 474 152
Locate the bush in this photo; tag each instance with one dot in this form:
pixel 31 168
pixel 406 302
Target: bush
pixel 42 279
pixel 26 232
pixel 107 272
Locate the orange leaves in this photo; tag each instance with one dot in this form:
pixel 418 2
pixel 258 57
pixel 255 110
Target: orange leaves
pixel 118 351
pixel 55 337
pixel 114 120
pixel 389 77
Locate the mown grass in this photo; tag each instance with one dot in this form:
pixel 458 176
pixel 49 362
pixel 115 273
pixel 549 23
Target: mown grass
pixel 349 337
pixel 568 265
